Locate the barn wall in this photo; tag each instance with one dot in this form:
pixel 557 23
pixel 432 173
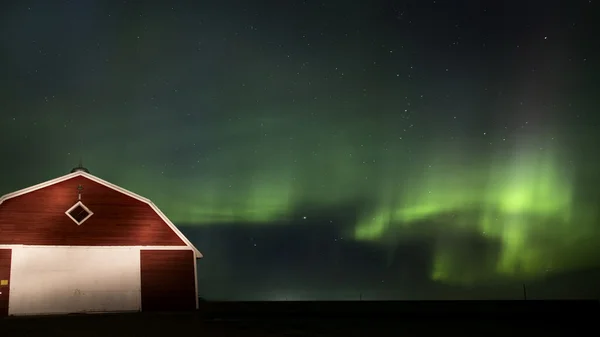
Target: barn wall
pixel 5 262
pixel 168 280
pixel 54 280
pixel 38 218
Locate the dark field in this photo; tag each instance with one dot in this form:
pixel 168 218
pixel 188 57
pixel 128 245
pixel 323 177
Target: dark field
pixel 531 318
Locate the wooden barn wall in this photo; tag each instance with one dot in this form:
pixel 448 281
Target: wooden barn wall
pixel 168 280
pixel 38 218
pixel 5 263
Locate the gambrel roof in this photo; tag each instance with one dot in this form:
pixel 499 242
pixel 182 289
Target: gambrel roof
pixel 81 173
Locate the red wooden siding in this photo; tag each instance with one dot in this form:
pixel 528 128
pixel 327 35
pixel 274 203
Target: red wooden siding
pixel 5 258
pixel 168 280
pixel 38 218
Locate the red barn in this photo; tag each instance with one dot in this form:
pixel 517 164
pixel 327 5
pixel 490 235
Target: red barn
pixel 80 244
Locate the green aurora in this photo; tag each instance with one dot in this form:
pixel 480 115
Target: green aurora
pixel 521 199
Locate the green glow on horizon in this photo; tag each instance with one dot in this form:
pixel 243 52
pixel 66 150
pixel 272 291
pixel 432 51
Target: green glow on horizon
pixel 525 202
pixel 520 198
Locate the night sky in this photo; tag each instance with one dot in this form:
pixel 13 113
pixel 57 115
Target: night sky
pixel 327 149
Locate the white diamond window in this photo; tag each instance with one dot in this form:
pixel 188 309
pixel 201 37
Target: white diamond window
pixel 79 213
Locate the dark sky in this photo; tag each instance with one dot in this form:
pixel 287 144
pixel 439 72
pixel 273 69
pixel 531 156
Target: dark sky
pixel 327 149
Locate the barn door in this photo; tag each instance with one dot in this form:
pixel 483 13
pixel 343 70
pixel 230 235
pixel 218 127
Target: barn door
pixel 5 258
pixel 168 280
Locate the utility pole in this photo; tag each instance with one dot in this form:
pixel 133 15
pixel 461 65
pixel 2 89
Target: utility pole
pixel 524 292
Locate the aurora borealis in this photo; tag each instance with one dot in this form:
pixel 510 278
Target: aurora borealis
pixel 393 149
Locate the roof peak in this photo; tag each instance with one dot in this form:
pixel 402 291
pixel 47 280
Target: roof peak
pixel 80 168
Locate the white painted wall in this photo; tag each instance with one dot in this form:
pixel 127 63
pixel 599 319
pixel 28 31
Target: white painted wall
pixel 58 280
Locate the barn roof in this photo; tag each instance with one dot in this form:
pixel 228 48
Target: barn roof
pixel 83 173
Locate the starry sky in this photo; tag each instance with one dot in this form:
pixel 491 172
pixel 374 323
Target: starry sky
pixel 375 149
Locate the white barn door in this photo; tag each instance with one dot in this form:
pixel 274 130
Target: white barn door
pixel 60 280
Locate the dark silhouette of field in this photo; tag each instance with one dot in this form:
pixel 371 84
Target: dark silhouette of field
pixel 242 319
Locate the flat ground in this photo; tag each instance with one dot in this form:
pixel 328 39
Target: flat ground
pixel 239 322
